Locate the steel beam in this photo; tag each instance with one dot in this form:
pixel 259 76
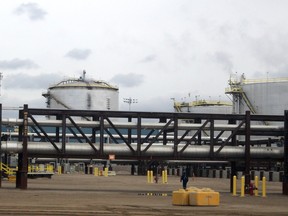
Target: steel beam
pixel 285 176
pixel 1 171
pixel 247 151
pixel 21 177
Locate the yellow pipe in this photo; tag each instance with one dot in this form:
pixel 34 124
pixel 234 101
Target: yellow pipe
pixel 264 187
pixel 234 185
pixel 256 185
pixel 242 186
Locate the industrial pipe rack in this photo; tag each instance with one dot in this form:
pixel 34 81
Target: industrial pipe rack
pixel 144 136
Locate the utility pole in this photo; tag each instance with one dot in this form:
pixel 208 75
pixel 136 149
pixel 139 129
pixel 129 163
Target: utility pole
pixel 130 101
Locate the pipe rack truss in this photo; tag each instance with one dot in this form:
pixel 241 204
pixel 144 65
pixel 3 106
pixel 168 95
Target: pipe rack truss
pixel 141 134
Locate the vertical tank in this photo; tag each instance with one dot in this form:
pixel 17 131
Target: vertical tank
pixel 260 96
pixel 82 94
pixel 204 106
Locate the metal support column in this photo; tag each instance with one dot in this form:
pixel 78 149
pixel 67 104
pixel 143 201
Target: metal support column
pixel 176 137
pixel 285 176
pixel 233 163
pixel 101 150
pixel 1 145
pixel 211 138
pixel 21 178
pixel 199 138
pixel 129 132
pixel 63 134
pixel 139 122
pixel 247 151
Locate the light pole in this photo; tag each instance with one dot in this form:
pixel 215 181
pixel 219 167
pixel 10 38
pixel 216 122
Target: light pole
pixel 130 101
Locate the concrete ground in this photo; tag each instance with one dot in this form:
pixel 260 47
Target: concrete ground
pixel 80 194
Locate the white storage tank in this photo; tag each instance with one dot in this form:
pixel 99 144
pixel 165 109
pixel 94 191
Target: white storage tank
pixel 209 107
pixel 82 94
pixel 260 96
pixel 204 106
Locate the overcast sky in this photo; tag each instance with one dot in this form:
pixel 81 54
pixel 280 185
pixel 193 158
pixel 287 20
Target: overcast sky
pixel 153 50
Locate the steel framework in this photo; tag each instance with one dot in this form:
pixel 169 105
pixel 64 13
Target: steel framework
pixel 143 136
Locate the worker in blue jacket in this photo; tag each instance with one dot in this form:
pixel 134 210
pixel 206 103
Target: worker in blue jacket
pixel 184 179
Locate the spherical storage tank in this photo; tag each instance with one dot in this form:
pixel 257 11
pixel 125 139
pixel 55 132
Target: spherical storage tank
pixel 83 94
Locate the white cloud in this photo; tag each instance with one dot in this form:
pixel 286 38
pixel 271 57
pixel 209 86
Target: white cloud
pixel 32 10
pixel 128 80
pixel 79 54
pixel 150 49
pixel 17 64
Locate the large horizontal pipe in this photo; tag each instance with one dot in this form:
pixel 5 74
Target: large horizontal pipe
pixel 126 161
pixel 156 150
pixel 133 125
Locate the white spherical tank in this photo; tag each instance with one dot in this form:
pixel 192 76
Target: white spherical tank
pixel 82 94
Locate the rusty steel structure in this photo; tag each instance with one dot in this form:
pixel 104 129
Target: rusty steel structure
pixel 145 136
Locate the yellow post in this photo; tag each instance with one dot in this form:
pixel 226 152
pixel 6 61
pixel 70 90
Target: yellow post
pixel 29 168
pixel 59 170
pixel 166 176
pixel 106 172
pixel 148 176
pixel 163 177
pixel 96 171
pixel 242 186
pixel 256 185
pixel 264 187
pixel 234 186
pixel 151 176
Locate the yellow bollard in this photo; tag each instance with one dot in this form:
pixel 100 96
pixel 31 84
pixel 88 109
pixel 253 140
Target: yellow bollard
pixel 29 168
pixel 264 187
pixel 151 176
pixel 106 172
pixel 163 177
pixel 242 186
pixel 166 176
pixel 96 171
pixel 234 186
pixel 256 185
pixel 59 170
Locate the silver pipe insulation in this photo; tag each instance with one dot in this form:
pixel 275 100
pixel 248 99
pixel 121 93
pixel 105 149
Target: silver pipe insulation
pixel 144 125
pixel 155 150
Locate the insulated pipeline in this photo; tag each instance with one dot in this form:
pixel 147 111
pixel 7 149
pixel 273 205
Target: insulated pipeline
pixel 155 150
